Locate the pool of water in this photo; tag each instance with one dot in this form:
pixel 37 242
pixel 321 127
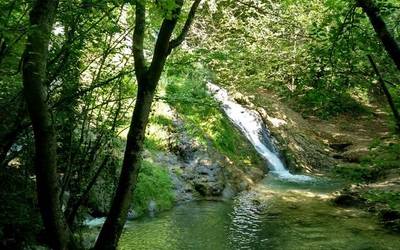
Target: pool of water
pixel 274 215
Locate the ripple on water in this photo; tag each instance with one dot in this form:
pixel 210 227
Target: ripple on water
pixel 270 217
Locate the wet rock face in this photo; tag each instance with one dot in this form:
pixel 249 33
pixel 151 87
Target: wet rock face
pixel 340 146
pixel 208 178
pixel 302 153
pixel 183 146
pixel 348 199
pixel 199 171
pixel 194 174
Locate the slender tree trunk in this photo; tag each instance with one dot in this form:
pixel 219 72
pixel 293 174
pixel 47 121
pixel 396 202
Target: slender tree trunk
pixel 147 78
pixel 34 76
pixel 111 231
pixel 390 44
pixel 387 93
pixel 3 48
pixel 72 211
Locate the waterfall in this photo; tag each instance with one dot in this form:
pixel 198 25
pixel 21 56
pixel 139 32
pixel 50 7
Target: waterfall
pixel 252 126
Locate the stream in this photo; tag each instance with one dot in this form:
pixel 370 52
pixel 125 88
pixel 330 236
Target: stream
pixel 274 215
pixel 284 211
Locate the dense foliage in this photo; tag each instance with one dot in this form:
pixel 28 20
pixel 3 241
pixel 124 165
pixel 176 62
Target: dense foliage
pixel 187 93
pixel 313 54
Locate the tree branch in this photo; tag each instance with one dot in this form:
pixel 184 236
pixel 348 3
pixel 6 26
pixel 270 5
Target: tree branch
pixel 189 20
pixel 42 17
pixel 138 39
pixel 161 49
pixel 389 97
pixel 381 29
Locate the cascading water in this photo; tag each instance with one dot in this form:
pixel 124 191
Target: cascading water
pixel 275 214
pixel 252 126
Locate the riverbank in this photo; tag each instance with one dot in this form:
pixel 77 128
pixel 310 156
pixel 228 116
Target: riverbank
pixel 275 214
pixel 192 152
pixel 360 150
pixel 300 212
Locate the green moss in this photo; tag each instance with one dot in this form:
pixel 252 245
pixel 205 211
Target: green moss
pixel 158 133
pixel 204 119
pixel 154 184
pixel 325 104
pixel 153 144
pixel 358 172
pixel 161 120
pixel 382 157
pixel 391 198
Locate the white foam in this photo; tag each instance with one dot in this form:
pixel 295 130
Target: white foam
pixel 252 126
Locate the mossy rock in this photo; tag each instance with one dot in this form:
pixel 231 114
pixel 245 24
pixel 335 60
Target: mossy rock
pixel 358 173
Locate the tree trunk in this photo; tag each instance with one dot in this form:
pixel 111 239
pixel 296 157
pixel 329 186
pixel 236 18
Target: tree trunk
pixel 112 228
pixel 387 93
pixel 391 46
pixel 147 79
pixel 34 76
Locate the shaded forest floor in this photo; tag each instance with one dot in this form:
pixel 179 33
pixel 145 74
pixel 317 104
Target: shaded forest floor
pixel 368 157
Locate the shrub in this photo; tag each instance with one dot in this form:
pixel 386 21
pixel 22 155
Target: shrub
pixel 154 184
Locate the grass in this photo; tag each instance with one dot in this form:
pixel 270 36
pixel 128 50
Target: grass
pixel 325 104
pixel 382 157
pixel 391 198
pixel 358 173
pixel 204 119
pixel 157 135
pixel 154 184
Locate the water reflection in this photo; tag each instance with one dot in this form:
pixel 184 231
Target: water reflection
pixel 244 229
pixel 269 217
pixel 197 225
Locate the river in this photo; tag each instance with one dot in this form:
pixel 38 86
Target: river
pixel 284 211
pixel 274 215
